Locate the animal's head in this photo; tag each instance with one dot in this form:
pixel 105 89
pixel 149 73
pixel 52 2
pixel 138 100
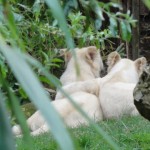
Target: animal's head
pixel 131 70
pixel 88 57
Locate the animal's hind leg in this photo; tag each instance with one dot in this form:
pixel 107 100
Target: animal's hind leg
pixel 134 112
pixel 16 130
pixel 41 130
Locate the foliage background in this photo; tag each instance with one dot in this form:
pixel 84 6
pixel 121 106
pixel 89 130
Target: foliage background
pixel 30 27
pixel 42 38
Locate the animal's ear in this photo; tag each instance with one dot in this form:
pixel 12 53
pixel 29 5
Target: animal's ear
pixel 140 64
pixel 91 54
pixel 112 59
pixel 66 54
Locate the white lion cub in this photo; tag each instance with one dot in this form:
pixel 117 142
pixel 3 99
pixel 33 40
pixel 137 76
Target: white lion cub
pixel 72 118
pixel 89 62
pixel 116 88
pixel 90 65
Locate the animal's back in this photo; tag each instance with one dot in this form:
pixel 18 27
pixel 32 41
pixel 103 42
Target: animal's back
pixel 117 100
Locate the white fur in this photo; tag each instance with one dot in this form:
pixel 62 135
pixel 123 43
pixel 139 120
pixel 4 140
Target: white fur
pixel 116 88
pixel 90 64
pixel 88 68
pixel 117 100
pixel 125 71
pixel 88 86
pixel 88 102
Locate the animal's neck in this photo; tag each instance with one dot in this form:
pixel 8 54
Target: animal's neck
pixel 122 76
pixel 84 71
pixel 113 77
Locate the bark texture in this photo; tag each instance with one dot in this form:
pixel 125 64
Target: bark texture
pixel 142 94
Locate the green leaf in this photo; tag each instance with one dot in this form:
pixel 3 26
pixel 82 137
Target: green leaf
pixel 121 14
pixel 57 60
pixel 113 26
pixel 59 15
pixel 18 17
pixel 95 7
pixel 98 24
pixel 133 23
pixel 6 138
pixel 125 30
pixel 25 7
pixel 69 5
pixel 147 3
pixel 22 93
pixel 44 80
pixel 37 94
pixel 9 18
pixel 36 6
pixel 115 5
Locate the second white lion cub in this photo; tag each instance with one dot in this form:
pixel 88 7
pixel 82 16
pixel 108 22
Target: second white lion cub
pixel 89 62
pixel 116 88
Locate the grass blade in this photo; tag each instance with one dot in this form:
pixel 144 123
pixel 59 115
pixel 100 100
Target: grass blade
pixel 36 93
pixel 14 102
pixel 6 138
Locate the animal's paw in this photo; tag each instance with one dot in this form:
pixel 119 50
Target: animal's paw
pixel 16 130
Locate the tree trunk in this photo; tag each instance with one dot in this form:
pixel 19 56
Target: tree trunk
pixel 142 94
pixel 135 31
